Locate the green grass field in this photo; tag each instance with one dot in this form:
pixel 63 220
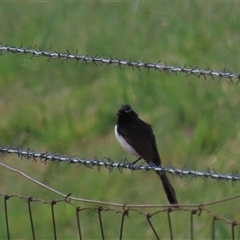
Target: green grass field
pixel 71 109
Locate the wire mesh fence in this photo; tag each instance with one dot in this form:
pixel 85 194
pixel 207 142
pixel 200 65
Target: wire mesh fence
pixel 148 216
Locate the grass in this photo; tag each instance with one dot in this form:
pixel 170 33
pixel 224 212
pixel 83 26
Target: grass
pixel 69 109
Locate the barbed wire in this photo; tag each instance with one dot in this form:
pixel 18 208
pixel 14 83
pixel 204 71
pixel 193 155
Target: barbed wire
pixel 85 58
pixel 123 164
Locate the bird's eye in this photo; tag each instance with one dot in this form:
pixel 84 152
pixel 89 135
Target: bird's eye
pixel 129 110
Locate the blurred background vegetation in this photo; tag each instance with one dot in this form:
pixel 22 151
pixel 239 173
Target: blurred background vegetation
pixel 68 109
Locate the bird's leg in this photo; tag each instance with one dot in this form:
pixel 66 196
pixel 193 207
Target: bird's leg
pixel 130 165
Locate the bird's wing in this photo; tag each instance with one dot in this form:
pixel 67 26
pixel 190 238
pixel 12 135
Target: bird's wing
pixel 143 142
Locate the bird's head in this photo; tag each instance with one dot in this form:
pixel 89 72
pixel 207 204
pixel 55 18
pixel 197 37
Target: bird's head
pixel 126 114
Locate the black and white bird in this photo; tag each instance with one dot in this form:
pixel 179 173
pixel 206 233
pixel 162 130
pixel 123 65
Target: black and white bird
pixel 136 138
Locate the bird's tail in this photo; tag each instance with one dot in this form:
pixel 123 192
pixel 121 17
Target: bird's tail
pixel 169 190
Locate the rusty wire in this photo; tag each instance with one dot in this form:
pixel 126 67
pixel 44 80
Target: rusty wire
pixel 125 211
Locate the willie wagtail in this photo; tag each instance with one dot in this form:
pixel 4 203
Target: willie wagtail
pixel 136 138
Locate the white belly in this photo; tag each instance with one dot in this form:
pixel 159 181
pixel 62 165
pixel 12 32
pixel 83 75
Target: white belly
pixel 128 148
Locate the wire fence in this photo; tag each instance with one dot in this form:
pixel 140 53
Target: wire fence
pixel 105 213
pixel 124 211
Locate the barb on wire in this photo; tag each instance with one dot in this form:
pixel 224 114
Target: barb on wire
pixel 123 164
pixel 98 61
